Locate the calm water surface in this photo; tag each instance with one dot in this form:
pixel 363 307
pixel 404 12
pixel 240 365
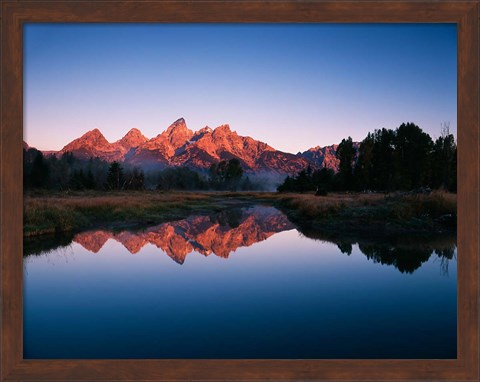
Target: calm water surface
pixel 242 284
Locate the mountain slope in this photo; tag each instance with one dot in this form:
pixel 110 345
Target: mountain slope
pixel 180 146
pixel 322 156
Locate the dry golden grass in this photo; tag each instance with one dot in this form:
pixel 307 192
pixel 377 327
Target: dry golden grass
pixel 113 200
pixel 53 213
pixel 313 206
pixel 66 212
pixel 372 207
pixel 435 204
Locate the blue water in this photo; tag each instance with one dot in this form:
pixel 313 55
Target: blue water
pixel 278 294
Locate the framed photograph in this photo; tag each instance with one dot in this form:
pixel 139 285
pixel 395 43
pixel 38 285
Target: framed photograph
pixel 251 190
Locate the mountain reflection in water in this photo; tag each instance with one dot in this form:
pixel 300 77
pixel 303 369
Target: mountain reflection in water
pixel 224 232
pixel 285 292
pixel 220 233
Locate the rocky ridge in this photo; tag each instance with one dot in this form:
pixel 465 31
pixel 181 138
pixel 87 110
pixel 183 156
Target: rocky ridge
pixel 180 146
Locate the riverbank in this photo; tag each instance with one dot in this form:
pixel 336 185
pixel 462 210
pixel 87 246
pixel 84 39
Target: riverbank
pixel 373 214
pixel 60 212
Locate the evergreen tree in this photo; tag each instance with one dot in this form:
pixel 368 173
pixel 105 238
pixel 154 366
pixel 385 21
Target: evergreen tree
pixel 413 150
pixel 322 180
pixel 135 180
pixel 234 173
pixel 180 178
pixel 303 182
pixel 443 164
pixel 363 172
pixel 115 178
pixel 346 153
pixel 453 173
pixel 27 170
pixel 287 185
pixel 383 160
pixel 40 172
pixel 77 180
pixel 226 174
pixel 307 180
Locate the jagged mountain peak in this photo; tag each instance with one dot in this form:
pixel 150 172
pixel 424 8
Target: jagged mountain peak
pixel 178 125
pixel 91 137
pixel 200 133
pixel 93 133
pixel 204 130
pixel 92 144
pixel 132 139
pixel 133 131
pixel 177 134
pixel 223 129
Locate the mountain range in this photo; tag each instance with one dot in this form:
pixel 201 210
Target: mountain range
pixel 202 234
pixel 180 146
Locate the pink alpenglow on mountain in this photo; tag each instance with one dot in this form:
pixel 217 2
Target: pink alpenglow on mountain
pixel 94 144
pixel 180 146
pixel 322 156
pixel 132 139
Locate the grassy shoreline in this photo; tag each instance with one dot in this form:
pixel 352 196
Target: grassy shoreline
pixel 373 214
pixel 60 213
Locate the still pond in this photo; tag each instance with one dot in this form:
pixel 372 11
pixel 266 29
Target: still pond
pixel 239 284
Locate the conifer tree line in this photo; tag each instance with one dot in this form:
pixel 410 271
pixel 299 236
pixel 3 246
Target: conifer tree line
pixel 402 159
pixel 224 175
pixel 71 173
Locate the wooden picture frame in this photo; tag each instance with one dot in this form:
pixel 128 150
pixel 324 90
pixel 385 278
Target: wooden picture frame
pixel 14 13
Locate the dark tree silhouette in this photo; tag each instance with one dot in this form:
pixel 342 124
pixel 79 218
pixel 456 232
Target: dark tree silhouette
pixel 346 154
pixel 40 172
pixel 115 177
pixel 412 157
pixel 383 160
pixel 180 178
pixel 443 164
pixel 226 174
pixel 363 172
pixel 135 179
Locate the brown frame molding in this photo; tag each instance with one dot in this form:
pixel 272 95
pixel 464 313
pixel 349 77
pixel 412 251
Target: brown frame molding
pixel 14 13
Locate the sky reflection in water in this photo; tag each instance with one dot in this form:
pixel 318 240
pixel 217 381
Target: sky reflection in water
pixel 245 284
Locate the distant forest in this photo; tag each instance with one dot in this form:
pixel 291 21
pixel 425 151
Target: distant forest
pixel 71 173
pixel 403 159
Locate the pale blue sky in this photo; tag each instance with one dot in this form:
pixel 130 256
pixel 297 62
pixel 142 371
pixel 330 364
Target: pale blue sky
pixel 292 86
